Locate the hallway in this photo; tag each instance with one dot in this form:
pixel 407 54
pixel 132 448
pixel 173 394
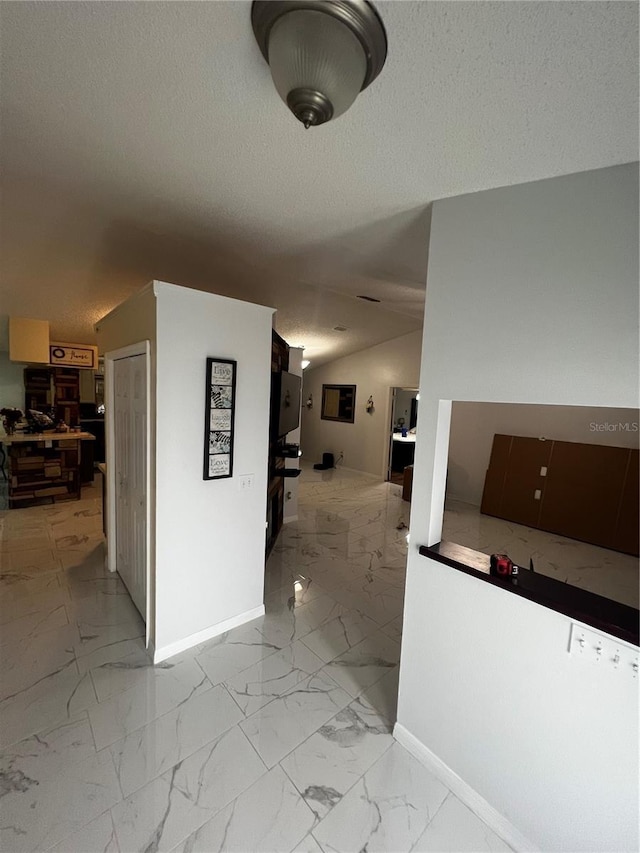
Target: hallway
pixel 273 737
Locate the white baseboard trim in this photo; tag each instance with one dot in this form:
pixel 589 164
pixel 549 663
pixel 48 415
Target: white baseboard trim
pixel 289 519
pixel 202 636
pixel 463 791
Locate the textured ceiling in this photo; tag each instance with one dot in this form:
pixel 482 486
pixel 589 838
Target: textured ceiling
pixel 146 140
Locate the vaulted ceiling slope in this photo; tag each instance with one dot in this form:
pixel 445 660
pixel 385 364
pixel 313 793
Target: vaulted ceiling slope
pixel 146 140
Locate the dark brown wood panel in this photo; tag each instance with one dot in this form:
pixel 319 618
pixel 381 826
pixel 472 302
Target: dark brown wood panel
pixel 523 480
pixel 590 491
pixel 496 472
pixel 513 478
pixel 627 534
pixel 582 494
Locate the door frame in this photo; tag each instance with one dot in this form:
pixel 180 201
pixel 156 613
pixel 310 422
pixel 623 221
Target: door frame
pixel 140 348
pixel 392 412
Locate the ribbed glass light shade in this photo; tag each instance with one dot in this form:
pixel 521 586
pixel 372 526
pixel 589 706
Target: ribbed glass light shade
pixel 310 50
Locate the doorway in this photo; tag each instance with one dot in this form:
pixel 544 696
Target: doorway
pixel 127 374
pixel 402 432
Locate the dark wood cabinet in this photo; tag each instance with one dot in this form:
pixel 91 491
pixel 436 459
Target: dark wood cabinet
pixel 96 427
pixel 584 491
pixel 87 461
pixel 402 454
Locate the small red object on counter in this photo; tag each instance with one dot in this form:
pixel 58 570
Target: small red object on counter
pixel 502 566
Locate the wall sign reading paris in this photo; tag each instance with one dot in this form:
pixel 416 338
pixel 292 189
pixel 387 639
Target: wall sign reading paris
pixel 219 414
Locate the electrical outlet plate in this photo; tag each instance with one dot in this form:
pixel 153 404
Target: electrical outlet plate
pixel 603 650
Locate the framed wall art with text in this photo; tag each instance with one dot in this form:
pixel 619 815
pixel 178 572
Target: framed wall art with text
pixel 219 414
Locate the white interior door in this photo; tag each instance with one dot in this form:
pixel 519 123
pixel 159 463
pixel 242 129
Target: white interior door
pixel 130 459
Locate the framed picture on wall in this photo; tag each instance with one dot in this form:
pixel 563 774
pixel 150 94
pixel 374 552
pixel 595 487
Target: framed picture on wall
pixel 338 403
pixel 219 411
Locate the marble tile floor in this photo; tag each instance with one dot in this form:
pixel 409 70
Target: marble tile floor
pixel 273 737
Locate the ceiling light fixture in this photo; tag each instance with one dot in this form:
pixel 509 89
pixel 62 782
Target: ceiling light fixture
pixel 305 363
pixel 321 52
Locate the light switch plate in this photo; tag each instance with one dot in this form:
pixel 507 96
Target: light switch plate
pixel 245 482
pixel 603 650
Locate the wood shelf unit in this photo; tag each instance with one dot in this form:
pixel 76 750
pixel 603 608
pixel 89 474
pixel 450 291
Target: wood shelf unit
pixel 37 388
pixel 57 387
pixel 38 472
pixel 66 383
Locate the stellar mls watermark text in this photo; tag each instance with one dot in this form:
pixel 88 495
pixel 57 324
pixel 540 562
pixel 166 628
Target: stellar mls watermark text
pixel 629 426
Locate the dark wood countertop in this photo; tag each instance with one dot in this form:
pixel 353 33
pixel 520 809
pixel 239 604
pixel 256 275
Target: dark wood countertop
pixel 30 438
pixel 614 618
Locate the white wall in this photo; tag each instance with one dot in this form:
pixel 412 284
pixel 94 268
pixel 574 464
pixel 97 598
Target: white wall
pixel 207 537
pixel 210 535
pixel 374 372
pixel 550 270
pixel 129 323
pixel 11 384
pixel 290 509
pixel 473 426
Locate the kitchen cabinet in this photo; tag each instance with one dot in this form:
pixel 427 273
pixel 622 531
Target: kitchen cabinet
pixel 402 452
